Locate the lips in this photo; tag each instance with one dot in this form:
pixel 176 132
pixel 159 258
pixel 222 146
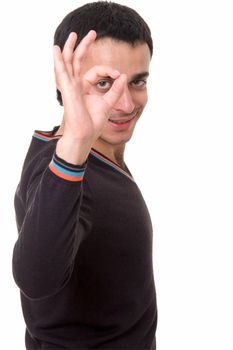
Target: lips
pixel 122 120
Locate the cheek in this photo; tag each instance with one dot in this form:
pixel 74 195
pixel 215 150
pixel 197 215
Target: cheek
pixel 140 98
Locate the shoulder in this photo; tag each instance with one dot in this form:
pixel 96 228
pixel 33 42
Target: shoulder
pixel 39 154
pixel 42 145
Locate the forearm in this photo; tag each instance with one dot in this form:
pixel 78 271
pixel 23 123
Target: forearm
pixel 44 252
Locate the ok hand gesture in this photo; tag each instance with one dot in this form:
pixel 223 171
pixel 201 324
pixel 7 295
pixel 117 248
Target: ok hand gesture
pixel 85 111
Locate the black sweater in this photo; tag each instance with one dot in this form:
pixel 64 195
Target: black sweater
pixel 83 258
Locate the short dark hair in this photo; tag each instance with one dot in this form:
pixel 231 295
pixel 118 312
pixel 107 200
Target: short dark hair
pixel 108 19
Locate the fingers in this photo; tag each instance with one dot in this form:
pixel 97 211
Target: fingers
pixel 68 52
pixel 97 72
pixel 61 74
pixel 67 65
pixel 82 49
pixel 114 91
pixel 84 45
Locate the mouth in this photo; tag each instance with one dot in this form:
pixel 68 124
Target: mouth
pixel 122 120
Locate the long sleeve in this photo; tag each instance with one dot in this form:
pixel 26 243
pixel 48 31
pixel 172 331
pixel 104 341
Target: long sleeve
pixel 47 210
pixel 83 256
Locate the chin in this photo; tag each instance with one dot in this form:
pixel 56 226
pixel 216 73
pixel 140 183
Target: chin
pixel 116 139
pixel 118 135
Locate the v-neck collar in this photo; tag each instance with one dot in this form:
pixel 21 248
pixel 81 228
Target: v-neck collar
pixel 108 161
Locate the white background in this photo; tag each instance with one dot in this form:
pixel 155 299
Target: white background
pixel 180 155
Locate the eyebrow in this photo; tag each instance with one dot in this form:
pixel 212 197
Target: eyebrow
pixel 139 76
pixel 136 76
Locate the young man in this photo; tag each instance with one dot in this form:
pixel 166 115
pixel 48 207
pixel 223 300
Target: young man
pixel 83 258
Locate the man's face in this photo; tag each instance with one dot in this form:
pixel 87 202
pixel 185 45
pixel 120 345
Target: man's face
pixel 134 63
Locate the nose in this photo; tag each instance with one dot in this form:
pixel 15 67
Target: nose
pixel 125 104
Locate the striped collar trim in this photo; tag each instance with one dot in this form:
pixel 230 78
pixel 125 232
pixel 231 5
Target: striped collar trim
pixel 45 136
pixel 105 160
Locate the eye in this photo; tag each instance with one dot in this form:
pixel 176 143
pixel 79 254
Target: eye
pixel 139 84
pixel 104 84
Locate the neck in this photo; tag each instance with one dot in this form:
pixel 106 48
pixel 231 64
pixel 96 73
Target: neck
pixel 114 153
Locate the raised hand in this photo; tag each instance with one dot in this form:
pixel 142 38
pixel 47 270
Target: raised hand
pixel 85 110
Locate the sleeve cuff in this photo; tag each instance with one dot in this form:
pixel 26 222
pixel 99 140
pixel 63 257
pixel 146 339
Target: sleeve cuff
pixel 66 171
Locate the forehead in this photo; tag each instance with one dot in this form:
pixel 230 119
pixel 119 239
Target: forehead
pixel 119 55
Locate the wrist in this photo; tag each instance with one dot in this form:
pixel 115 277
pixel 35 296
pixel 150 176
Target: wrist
pixel 73 151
